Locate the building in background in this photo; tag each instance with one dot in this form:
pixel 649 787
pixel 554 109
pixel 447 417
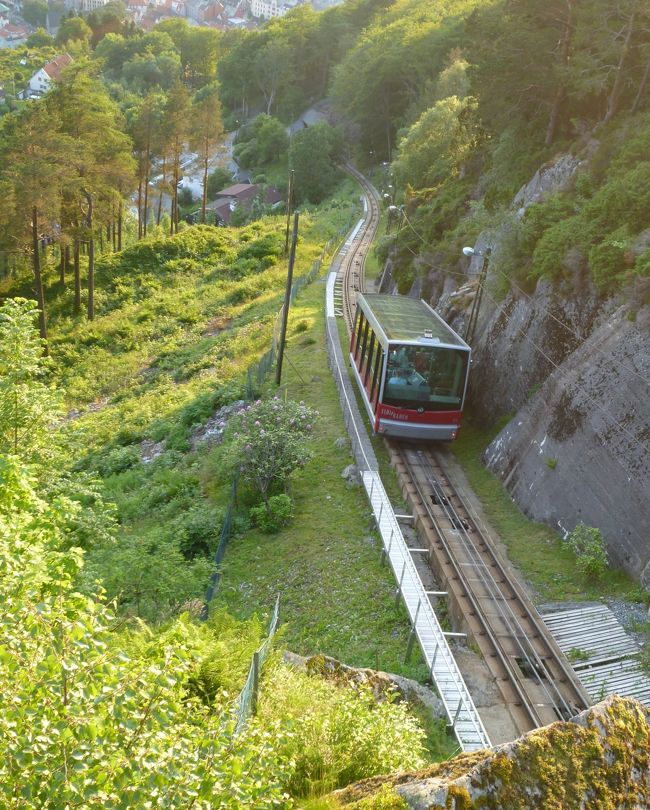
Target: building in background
pixel 84 5
pixel 272 8
pixel 41 81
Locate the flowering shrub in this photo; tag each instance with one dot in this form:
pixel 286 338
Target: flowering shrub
pixel 269 442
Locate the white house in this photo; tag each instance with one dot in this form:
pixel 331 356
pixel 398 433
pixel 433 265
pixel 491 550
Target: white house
pixel 272 8
pixel 42 80
pixel 84 5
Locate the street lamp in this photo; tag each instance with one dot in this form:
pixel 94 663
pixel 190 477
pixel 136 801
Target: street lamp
pixel 476 305
pixel 393 210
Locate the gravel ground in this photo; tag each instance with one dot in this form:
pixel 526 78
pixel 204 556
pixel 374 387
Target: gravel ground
pixel 629 614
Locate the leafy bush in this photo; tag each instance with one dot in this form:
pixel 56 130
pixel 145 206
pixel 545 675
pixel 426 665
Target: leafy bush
pixel 607 261
pixel 271 517
pixel 340 734
pixel 588 544
pixel 118 460
pixel 197 530
pixel 554 245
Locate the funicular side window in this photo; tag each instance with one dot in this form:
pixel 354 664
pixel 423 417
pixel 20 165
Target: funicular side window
pixel 363 345
pixel 358 317
pixel 368 358
pixel 379 355
pixel 361 340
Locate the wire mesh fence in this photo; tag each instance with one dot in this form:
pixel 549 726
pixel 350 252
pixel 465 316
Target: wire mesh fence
pixel 246 703
pixel 224 537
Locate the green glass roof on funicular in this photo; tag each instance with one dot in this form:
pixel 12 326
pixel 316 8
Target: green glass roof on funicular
pixel 407 319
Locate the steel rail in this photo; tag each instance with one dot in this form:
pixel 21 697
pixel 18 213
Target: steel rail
pixel 531 645
pixel 532 615
pixel 503 605
pixel 507 666
pixel 359 248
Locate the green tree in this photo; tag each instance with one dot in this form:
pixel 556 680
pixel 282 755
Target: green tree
pixel 176 121
pixel 272 70
pixel 145 130
pixel 35 12
pixel 39 39
pixel 101 166
pixel 33 175
pixel 109 19
pixel 261 142
pixel 27 404
pixel 73 28
pixel 313 154
pixel 206 131
pixel 438 144
pixel 236 72
pixel 218 179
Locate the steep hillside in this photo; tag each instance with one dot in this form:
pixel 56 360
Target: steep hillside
pixel 525 130
pixel 576 446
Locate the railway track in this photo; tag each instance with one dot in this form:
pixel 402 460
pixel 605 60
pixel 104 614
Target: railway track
pixel 536 681
pixel 353 265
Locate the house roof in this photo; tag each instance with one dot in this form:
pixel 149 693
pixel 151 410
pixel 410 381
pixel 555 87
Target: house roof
pixel 54 68
pixel 11 31
pixel 240 191
pixel 273 195
pixel 221 208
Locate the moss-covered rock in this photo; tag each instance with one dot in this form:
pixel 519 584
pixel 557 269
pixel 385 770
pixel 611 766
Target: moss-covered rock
pixel 600 760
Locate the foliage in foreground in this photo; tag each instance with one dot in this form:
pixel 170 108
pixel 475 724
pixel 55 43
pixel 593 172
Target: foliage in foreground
pixel 339 735
pixel 82 723
pixel 91 717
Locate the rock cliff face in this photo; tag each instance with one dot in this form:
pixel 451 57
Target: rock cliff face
pixel 599 760
pixel 572 370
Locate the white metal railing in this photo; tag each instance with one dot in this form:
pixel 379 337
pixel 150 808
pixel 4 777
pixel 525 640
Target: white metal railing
pixel 459 706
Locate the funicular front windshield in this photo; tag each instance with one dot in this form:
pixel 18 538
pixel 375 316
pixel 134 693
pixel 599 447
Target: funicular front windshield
pixel 427 377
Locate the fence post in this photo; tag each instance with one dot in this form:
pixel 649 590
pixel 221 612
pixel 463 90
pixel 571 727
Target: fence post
pixel 256 682
pixel 384 553
pixel 409 645
pixel 455 720
pixel 398 592
pixel 433 660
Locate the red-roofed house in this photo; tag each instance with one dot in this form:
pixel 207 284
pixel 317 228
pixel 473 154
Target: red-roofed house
pixel 238 193
pixel 241 194
pixel 11 36
pixel 42 80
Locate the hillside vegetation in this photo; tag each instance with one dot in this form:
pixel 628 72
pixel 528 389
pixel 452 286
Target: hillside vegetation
pixel 112 502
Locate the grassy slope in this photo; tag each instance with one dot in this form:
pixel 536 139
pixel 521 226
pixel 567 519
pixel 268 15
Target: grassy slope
pixel 533 547
pixel 336 597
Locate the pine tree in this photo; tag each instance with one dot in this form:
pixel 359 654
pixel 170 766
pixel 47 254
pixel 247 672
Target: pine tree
pixel 206 131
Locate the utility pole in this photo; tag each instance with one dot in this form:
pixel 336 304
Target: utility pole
pixel 287 301
pixel 289 201
pixel 473 316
